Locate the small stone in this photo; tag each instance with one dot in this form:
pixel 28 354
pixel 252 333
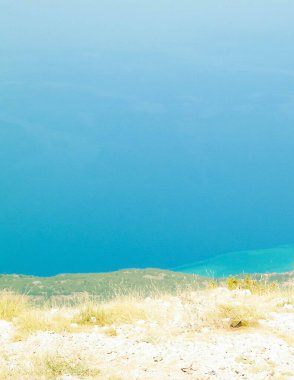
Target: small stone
pixel 242 292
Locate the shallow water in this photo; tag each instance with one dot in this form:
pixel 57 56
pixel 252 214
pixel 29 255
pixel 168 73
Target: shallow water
pixel 278 259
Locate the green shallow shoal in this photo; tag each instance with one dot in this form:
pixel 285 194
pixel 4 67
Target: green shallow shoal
pixel 278 259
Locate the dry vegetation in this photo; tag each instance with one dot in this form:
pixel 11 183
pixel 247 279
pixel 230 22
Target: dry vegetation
pixel 235 305
pixel 118 311
pixel 243 302
pixel 49 367
pixel 12 305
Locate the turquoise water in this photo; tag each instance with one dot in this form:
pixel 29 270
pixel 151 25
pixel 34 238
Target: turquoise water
pixel 151 134
pixel 278 259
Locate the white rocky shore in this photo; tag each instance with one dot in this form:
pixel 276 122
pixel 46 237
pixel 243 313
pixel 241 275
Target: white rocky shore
pixel 182 337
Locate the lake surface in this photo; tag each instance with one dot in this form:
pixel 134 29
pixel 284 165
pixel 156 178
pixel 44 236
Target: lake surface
pixel 152 155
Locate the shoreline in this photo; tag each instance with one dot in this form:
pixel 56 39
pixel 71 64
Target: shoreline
pixel 271 260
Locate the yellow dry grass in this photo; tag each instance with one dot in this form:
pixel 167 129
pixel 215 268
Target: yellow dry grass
pixel 121 311
pixel 32 320
pixel 49 367
pixel 12 304
pixel 262 286
pixel 238 315
pixel 211 308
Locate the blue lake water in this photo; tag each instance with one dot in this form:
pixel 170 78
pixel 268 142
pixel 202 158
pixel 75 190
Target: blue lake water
pixel 146 153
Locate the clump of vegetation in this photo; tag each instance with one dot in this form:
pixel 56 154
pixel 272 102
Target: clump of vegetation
pixel 49 367
pixel 212 284
pixel 238 315
pixel 116 312
pixel 111 332
pixel 233 283
pixel 250 283
pixel 56 366
pixel 33 320
pixel 12 304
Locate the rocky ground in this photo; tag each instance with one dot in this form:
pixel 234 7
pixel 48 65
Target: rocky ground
pixel 182 337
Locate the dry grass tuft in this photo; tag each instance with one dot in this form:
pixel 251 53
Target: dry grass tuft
pixel 116 312
pixel 56 366
pixel 238 315
pixel 255 286
pixel 12 304
pixel 110 332
pixel 49 367
pixel 33 320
